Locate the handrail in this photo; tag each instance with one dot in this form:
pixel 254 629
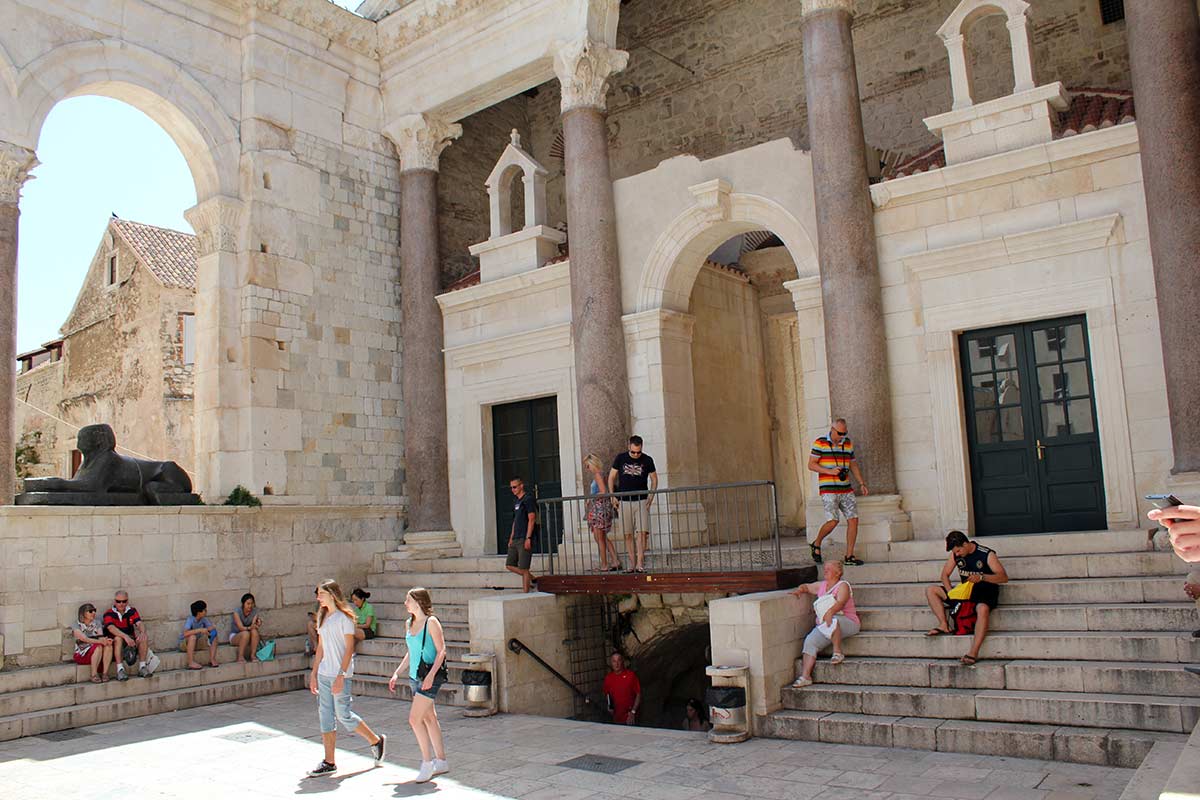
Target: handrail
pixel 516 645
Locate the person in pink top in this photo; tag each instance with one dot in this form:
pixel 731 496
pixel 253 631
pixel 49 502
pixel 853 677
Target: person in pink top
pixel 836 619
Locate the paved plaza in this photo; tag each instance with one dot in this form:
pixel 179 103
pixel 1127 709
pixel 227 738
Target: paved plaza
pixel 261 748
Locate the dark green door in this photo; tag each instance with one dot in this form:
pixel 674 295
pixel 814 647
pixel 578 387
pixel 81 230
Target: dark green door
pixel 1031 427
pixel 524 443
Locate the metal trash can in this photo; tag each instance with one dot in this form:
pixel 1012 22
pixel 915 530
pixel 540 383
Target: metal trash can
pixel 726 706
pixel 477 687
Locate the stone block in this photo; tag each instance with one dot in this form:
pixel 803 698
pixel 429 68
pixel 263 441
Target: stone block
pixel 1007 739
pixel 802 725
pixel 916 733
pixel 860 729
pixel 916 702
pixel 1081 745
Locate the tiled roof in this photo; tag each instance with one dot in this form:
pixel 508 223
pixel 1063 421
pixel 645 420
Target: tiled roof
pixel 1090 110
pixel 169 255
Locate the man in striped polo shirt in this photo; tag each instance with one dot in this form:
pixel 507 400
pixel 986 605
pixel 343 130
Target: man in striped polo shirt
pixel 833 460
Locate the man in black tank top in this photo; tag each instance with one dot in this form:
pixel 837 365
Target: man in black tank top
pixel 975 564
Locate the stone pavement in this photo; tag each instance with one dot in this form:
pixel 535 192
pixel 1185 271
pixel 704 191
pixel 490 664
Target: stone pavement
pixel 261 748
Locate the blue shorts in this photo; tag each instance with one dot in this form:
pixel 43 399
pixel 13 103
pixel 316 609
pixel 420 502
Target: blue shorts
pixel 415 685
pixel 332 708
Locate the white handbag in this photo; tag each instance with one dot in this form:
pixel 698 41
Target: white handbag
pixel 826 601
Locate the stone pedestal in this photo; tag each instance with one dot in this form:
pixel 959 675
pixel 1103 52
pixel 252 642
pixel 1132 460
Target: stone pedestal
pixel 855 343
pixel 997 126
pixel 1164 57
pixel 428 545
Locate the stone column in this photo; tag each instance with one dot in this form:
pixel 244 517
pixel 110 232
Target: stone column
pixel 601 373
pixel 1164 56
pixel 15 164
pixel 855 345
pixel 419 141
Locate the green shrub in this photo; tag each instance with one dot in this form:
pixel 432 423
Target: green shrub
pixel 240 496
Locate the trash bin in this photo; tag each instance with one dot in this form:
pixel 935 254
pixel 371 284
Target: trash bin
pixel 477 686
pixel 726 706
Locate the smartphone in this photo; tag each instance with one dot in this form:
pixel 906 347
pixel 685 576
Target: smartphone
pixel 1164 501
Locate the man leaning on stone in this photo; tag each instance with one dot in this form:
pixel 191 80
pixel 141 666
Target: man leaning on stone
pixel 125 625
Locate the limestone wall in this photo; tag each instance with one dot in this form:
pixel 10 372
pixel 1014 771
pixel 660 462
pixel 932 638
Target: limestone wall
pixel 54 559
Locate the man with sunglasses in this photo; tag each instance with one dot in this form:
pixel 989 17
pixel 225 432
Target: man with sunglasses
pixel 832 459
pixel 124 624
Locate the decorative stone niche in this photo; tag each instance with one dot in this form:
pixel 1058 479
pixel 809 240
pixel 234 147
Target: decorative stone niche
pixel 508 252
pixel 1026 117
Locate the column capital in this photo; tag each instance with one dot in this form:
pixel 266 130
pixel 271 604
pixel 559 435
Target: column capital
pixel 15 164
pixel 813 6
pixel 420 139
pixel 583 67
pixel 216 222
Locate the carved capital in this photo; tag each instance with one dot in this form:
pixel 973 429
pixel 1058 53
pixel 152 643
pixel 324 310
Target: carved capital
pixel 15 164
pixel 217 222
pixel 420 140
pixel 813 6
pixel 583 68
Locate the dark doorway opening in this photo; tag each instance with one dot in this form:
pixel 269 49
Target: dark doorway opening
pixel 525 444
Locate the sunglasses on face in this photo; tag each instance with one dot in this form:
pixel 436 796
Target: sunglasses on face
pixel 120 602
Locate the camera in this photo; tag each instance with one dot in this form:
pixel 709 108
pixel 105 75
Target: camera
pixel 843 473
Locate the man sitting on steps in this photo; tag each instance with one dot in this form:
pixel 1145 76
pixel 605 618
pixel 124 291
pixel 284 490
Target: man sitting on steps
pixel 977 565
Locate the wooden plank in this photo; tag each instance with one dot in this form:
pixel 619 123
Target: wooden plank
pixel 736 582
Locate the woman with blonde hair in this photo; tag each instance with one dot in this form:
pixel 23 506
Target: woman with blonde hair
pixel 600 514
pixel 333 666
pixel 425 665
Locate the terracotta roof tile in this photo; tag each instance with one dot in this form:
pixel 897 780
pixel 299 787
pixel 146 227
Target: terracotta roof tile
pixel 169 255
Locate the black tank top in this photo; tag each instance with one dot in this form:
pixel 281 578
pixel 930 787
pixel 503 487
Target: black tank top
pixel 975 562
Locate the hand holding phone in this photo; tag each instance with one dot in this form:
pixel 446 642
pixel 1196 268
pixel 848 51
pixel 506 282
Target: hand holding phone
pixel 1162 501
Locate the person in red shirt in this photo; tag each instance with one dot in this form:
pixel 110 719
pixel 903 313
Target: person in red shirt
pixel 623 691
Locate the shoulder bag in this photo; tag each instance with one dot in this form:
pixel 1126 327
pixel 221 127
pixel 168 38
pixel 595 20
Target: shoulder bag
pixel 424 666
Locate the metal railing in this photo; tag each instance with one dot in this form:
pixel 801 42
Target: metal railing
pixel 728 527
pixel 518 647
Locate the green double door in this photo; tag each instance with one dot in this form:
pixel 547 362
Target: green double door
pixel 524 443
pixel 1031 428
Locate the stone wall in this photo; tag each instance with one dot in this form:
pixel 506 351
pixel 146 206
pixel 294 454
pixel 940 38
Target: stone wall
pixel 52 560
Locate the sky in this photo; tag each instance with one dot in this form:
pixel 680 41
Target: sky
pixel 98 157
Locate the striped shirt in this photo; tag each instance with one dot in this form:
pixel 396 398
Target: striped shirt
pixel 833 456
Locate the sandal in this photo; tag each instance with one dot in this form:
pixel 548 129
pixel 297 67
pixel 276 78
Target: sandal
pixel 800 683
pixel 96 679
pixel 938 632
pixel 837 658
pixel 816 553
pixel 968 661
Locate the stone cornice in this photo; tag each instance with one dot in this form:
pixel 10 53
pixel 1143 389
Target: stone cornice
pixel 328 20
pixel 15 164
pixel 583 67
pixel 420 18
pixel 420 140
pixel 813 6
pixel 217 222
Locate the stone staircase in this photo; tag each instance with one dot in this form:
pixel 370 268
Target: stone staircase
pixel 38 700
pixel 1083 661
pixel 452 582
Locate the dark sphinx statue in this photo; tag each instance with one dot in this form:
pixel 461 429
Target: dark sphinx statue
pixel 107 478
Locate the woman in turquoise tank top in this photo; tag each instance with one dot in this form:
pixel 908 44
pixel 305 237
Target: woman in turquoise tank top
pixel 426 643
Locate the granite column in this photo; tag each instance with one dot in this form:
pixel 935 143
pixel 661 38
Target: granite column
pixel 855 343
pixel 420 140
pixel 601 373
pixel 15 164
pixel 1164 57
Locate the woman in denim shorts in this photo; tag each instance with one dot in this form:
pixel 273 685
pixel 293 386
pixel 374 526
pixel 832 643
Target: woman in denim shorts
pixel 426 643
pixel 332 669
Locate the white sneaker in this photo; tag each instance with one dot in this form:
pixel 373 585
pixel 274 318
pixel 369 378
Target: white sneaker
pixel 440 766
pixel 426 772
pixel 800 683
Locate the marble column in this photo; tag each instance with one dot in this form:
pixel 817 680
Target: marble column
pixel 855 345
pixel 1164 56
pixel 419 141
pixel 15 164
pixel 601 373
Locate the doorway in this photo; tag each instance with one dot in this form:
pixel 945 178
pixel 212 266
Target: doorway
pixel 1031 428
pixel 525 443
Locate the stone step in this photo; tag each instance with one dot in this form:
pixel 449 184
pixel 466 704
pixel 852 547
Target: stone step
pixel 1184 780
pixel 1147 563
pixel 433 581
pixel 72 694
pixel 1152 774
pixel 1068 617
pixel 33 723
pixel 1112 747
pixel 450 693
pixel 394 613
pixel 396 648
pixel 1077 709
pixel 472 564
pixel 374 666
pixel 1040 544
pixel 16 680
pixel 1141 646
pixel 461 595
pixel 453 631
pixel 1104 677
pixel 1029 592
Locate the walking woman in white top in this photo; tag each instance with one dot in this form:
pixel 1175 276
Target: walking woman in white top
pixel 333 666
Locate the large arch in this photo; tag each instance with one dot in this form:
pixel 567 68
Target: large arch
pixel 153 84
pixel 717 215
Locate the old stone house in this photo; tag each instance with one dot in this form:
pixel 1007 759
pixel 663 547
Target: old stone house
pixel 125 355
